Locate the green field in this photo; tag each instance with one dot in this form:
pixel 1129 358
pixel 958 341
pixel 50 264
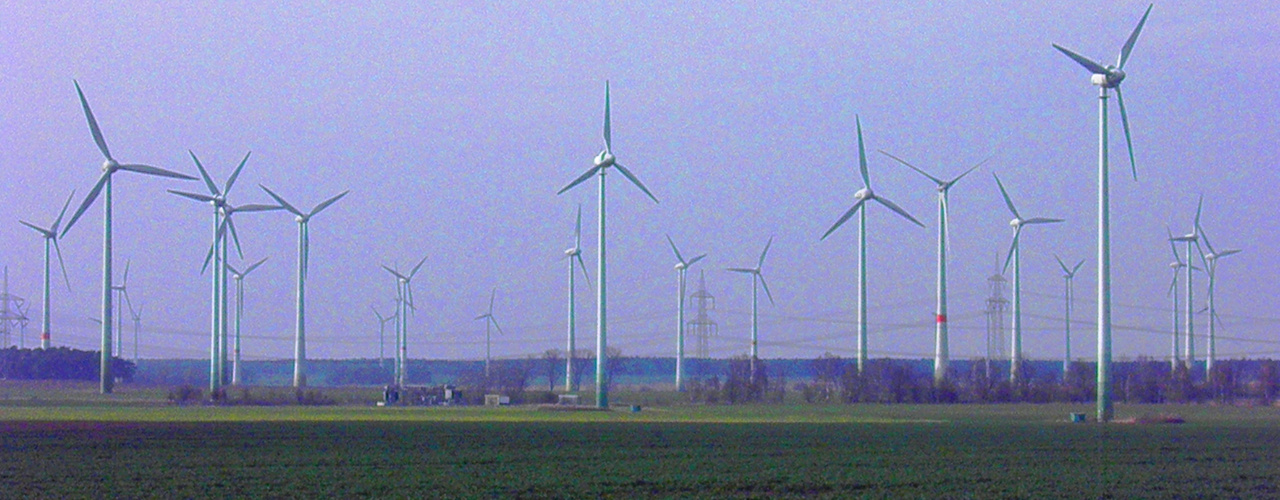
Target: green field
pixel 77 444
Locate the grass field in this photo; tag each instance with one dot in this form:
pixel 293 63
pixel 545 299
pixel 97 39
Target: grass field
pixel 129 446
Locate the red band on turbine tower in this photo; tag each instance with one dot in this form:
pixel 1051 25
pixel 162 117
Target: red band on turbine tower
pixel 942 318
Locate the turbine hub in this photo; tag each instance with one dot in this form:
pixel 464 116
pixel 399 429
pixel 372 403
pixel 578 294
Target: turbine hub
pixel 109 165
pixel 1176 265
pixel 604 159
pixel 680 266
pixel 864 194
pixel 299 219
pixel 572 252
pixel 1015 223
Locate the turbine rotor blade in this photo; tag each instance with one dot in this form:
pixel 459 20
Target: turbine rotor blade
pixel 43 232
pixel 1040 220
pixel 1062 265
pixel 417 267
pixel 1007 201
pixel 231 223
pixel 1077 268
pixel 393 272
pixel 583 265
pixel 204 174
pixel 741 270
pixel 695 259
pixel 842 219
pixel 1199 206
pixel 1012 246
pixel 63 265
pixel 93 124
pixel 209 255
pixel 254 208
pixel 577 229
pixel 862 155
pixel 676 250
pixel 231 181
pixel 1133 38
pixel 953 182
pixel 765 284
pixel 1128 139
pixel 631 177
pixel 1093 67
pixel 1173 283
pixel 608 132
pixel 281 201
pixel 203 198
pixel 492 296
pixel 326 203
pixel 765 252
pixel 150 170
pixel 936 180
pixel 590 172
pixel 88 200
pixel 58 222
pixel 885 201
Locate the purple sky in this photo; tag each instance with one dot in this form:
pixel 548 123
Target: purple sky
pixel 453 126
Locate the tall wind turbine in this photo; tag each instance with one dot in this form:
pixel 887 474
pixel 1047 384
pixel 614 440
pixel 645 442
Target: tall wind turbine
pixel 1210 261
pixel 122 292
pixel 682 267
pixel 1107 77
pixel 1176 266
pixel 218 254
pixel 382 328
pixel 571 255
pixel 942 344
pixel 1192 238
pixel 489 321
pixel 863 196
pixel 603 161
pixel 235 353
pixel 1068 275
pixel 404 304
pixel 109 167
pixel 757 280
pixel 304 251
pixel 50 239
pixel 1015 252
pixel 136 315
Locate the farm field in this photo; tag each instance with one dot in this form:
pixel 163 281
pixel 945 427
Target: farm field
pixel 88 447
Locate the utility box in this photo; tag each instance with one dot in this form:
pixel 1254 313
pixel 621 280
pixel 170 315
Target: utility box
pixel 1078 418
pixel 496 400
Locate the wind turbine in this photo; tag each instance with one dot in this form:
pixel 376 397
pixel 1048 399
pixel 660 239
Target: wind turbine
pixel 1192 238
pixel 137 324
pixel 1176 266
pixel 489 320
pixel 603 161
pixel 682 267
pixel 239 277
pixel 218 254
pixel 382 327
pixel 942 344
pixel 304 250
pixel 404 304
pixel 863 196
pixel 1107 77
pixel 1069 275
pixel 50 239
pixel 122 294
pixel 1015 252
pixel 1210 261
pixel 109 167
pixel 572 254
pixel 757 280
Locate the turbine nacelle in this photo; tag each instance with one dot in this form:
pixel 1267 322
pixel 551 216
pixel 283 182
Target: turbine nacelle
pixel 604 159
pixel 572 252
pixel 681 266
pixel 864 194
pixel 110 165
pixel 1176 265
pixel 1111 79
pixel 1015 223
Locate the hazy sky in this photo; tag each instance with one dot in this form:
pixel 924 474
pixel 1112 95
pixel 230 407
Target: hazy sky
pixel 454 123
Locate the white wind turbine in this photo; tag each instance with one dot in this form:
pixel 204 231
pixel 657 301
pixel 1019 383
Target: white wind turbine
pixel 1068 275
pixel 222 221
pixel 1015 252
pixel 382 327
pixel 942 344
pixel 1107 77
pixel 50 239
pixel 235 353
pixel 1176 266
pixel 682 268
pixel 863 196
pixel 603 161
pixel 109 167
pixel 489 321
pixel 571 255
pixel 304 251
pixel 404 304
pixel 122 292
pixel 1210 261
pixel 757 281
pixel 1192 238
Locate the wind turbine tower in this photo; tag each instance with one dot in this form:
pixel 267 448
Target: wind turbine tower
pixel 1176 266
pixel 571 255
pixel 404 304
pixel 1015 255
pixel 1210 261
pixel 50 239
pixel 603 161
pixel 235 353
pixel 489 320
pixel 1107 77
pixel 1068 275
pixel 382 328
pixel 682 268
pixel 757 281
pixel 1191 239
pixel 942 344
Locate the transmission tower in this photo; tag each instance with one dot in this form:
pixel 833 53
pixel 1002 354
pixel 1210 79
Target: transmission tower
pixel 12 312
pixel 702 325
pixel 997 310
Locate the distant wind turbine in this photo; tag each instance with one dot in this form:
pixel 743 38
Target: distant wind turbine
pixel 109 167
pixel 50 239
pixel 1192 238
pixel 863 196
pixel 571 255
pixel 757 280
pixel 1015 252
pixel 382 327
pixel 682 268
pixel 304 251
pixel 1176 266
pixel 1069 275
pixel 1107 77
pixel 603 161
pixel 404 304
pixel 489 321
pixel 235 353
pixel 942 344
pixel 122 292
pixel 1210 261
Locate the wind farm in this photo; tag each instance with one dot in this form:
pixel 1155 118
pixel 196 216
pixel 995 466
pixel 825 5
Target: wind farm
pixel 458 140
